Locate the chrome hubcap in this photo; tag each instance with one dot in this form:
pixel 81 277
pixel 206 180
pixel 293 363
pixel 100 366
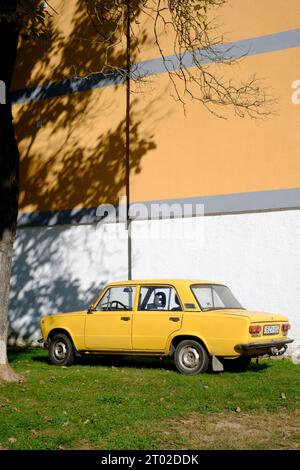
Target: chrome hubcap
pixel 60 350
pixel 190 357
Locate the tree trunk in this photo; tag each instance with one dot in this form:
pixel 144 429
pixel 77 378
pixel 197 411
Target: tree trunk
pixel 6 251
pixel 9 188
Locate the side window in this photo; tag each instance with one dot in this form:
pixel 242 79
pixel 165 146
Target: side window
pixel 117 298
pixel 159 298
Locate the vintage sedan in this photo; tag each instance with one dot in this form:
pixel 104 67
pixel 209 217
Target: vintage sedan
pixel 197 323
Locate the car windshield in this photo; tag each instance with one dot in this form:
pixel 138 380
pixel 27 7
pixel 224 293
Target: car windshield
pixel 214 296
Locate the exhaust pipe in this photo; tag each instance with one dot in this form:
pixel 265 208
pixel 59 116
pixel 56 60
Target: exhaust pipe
pixel 278 352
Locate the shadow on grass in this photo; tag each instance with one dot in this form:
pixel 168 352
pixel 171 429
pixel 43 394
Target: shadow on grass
pixel 44 359
pixel 143 362
pixel 117 361
pixel 21 353
pixel 257 367
pixel 253 367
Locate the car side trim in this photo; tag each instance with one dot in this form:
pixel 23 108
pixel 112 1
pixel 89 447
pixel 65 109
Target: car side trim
pixel 132 352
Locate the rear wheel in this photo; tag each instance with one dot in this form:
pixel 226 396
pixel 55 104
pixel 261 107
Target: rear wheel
pixel 190 357
pixel 240 364
pixel 61 351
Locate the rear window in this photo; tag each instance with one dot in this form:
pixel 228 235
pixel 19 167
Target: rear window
pixel 214 297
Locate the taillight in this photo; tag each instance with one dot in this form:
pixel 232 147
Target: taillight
pixel 285 327
pixel 254 329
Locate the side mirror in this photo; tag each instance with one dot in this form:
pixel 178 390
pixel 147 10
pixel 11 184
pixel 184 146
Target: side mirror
pixel 90 309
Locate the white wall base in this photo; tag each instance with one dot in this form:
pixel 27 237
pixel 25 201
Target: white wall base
pixel 63 268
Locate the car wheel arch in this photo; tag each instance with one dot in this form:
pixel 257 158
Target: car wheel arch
pixel 57 331
pixel 178 338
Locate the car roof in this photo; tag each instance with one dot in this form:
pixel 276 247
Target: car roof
pixel 163 282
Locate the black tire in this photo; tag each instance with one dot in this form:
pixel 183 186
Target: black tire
pixel 240 364
pixel 61 352
pixel 191 357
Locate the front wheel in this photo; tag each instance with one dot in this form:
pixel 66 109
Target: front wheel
pixel 190 357
pixel 61 351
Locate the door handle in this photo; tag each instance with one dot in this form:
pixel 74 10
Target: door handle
pixel 174 319
pixel 125 318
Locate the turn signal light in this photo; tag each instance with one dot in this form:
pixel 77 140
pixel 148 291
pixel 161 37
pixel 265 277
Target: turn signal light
pixel 254 329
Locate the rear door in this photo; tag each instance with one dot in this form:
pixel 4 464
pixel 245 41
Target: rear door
pixel 158 315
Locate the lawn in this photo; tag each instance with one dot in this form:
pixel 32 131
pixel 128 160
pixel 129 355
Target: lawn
pixel 144 403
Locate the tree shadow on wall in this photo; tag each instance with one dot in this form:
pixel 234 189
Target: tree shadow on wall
pixel 73 146
pixel 44 280
pixel 72 151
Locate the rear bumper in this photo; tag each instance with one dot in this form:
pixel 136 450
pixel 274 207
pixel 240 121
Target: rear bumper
pixel 272 348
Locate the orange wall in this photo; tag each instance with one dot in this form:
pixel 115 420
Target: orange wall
pixel 200 154
pixel 72 147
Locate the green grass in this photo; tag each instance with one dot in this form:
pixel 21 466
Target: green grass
pixel 130 404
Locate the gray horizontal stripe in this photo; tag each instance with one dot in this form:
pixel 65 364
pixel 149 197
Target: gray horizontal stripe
pixel 65 87
pixel 252 46
pixel 282 199
pixel 247 202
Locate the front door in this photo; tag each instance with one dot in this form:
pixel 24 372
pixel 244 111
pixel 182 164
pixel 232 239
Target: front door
pixel 159 314
pixel 108 326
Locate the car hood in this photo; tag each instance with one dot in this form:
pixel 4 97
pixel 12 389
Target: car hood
pixel 256 317
pixel 63 314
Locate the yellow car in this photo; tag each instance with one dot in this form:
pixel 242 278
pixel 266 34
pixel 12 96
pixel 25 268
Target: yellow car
pixel 197 323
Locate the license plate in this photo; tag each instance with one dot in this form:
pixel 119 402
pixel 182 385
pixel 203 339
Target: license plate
pixel 271 329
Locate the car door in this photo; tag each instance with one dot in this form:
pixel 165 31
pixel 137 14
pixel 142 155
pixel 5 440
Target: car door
pixel 158 315
pixel 108 325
